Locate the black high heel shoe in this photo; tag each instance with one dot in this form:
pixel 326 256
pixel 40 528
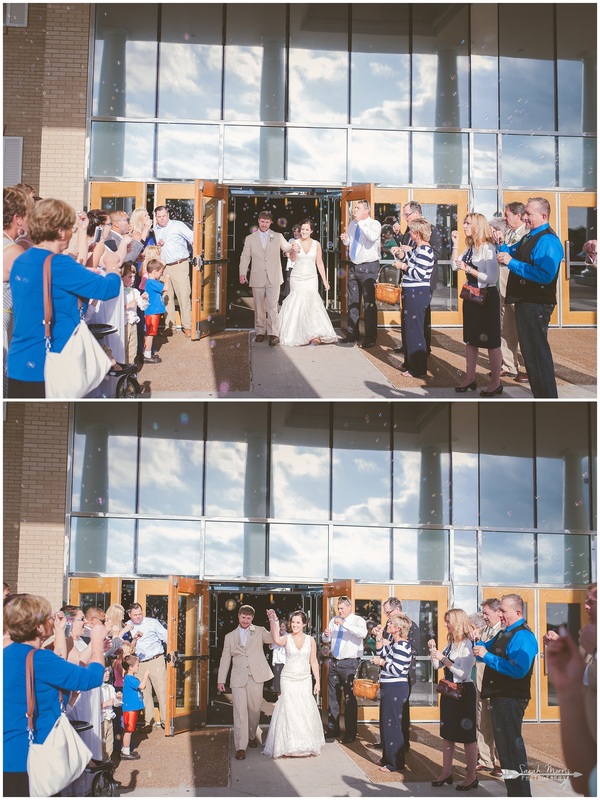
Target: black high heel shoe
pixel 473 785
pixel 470 388
pixel 449 780
pixel 493 393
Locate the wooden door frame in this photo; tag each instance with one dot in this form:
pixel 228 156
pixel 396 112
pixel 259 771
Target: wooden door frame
pixel 530 596
pixel 114 189
pixel 568 200
pixel 545 596
pixel 78 586
pixel 350 194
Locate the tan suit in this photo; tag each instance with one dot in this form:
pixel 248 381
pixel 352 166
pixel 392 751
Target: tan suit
pixel 265 278
pixel 249 670
pixel 485 731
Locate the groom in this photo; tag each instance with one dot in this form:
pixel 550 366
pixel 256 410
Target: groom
pixel 263 248
pixel 244 648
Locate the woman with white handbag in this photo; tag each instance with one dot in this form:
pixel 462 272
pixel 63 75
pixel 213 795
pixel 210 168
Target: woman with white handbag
pixel 29 621
pixel 51 223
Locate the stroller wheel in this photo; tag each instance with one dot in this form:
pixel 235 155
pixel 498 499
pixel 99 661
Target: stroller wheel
pixel 128 388
pixel 103 785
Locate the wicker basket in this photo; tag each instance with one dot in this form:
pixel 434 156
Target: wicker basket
pixel 363 687
pixel 387 293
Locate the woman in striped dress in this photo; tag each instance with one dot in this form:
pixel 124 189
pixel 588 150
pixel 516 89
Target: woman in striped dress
pixel 417 265
pixel 395 657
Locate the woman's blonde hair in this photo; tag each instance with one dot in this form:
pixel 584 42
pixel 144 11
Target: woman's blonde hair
pixel 137 218
pixel 460 627
pixel 23 614
pixel 421 226
pixel 48 218
pixel 402 623
pixel 116 614
pixel 480 230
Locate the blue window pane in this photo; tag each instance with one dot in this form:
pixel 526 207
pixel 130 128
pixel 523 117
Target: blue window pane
pixel 577 168
pixel 528 161
pixel 353 553
pixel 465 556
pixel 361 463
pixel 507 558
pixel 563 559
pixel 171 459
pixel 298 552
pixel 168 547
pixel 577 67
pixel 371 157
pixel 102 545
pixel 182 145
pixel 122 150
pixel 316 154
pixel 253 153
pixel 235 549
pixel 105 459
pixel 485 160
pixel 440 158
pixel 125 60
pixel 190 62
pixel 318 72
pixel 420 555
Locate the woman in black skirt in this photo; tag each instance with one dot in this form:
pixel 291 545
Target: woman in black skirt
pixel 457 717
pixel 481 323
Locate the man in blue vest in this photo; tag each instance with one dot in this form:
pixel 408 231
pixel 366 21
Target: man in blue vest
pixel 533 263
pixel 509 658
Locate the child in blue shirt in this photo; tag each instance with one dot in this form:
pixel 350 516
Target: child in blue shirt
pixel 155 288
pixel 133 702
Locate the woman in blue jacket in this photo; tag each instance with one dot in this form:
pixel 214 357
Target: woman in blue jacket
pixel 29 621
pixel 51 224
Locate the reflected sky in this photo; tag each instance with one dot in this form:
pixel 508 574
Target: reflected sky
pixel 180 146
pixel 224 549
pixel 370 159
pixel 528 161
pixel 354 552
pixel 420 555
pixel 168 547
pixel 317 154
pixel 298 550
pixel 190 81
pixel 102 545
pixel 122 149
pixel 300 482
pixel 565 559
pixel 507 558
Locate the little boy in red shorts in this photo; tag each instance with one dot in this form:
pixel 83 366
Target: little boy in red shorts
pixel 133 702
pixel 155 288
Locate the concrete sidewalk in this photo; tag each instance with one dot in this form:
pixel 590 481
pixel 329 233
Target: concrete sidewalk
pixel 332 774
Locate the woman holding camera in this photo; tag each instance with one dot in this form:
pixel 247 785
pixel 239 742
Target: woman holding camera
pixel 481 323
pixel 417 264
pixel 457 716
pixel 395 658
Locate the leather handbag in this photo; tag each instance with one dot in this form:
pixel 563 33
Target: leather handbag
pixel 63 756
pixel 473 294
pixel 450 689
pixel 82 364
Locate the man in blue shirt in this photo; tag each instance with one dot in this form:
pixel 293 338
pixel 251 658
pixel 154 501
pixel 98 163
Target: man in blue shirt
pixel 509 658
pixel 534 262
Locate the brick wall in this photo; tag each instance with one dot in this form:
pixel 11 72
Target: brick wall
pixel 45 96
pixel 35 484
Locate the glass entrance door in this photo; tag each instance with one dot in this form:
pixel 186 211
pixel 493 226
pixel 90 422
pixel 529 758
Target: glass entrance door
pixel 557 607
pixel 579 290
pixel 98 592
pixel 388 209
pixel 350 194
pixel 209 276
pixel 118 196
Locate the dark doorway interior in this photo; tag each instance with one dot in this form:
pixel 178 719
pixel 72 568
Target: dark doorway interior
pixel 225 604
pixel 288 207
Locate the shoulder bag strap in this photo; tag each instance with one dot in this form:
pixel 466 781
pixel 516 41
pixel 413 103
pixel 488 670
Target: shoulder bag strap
pixel 47 278
pixel 29 685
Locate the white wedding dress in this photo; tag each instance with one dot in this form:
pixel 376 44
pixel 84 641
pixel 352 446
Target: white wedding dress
pixel 303 316
pixel 296 728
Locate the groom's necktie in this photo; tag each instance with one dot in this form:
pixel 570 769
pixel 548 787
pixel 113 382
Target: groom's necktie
pixel 354 245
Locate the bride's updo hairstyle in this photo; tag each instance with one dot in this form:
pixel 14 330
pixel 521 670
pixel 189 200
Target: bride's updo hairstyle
pixel 311 225
pixel 300 614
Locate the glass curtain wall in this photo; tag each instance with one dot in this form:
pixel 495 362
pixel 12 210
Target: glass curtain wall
pixel 411 492
pixel 397 94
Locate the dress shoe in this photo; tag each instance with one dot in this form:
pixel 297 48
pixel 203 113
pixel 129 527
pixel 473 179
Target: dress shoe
pixel 377 745
pixel 460 787
pixel 449 780
pixel 253 743
pixel 348 739
pixel 398 350
pixel 273 341
pixel 493 393
pixel 240 755
pixel 367 345
pixel 347 341
pixel 260 337
pixel 522 377
pixel 187 332
pixel 130 756
pixel 496 772
pixel 462 389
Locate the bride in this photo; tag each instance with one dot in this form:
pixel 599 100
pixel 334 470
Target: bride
pixel 303 319
pixel 296 728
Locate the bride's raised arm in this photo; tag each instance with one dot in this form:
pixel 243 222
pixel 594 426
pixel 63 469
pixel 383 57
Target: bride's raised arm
pixel 274 625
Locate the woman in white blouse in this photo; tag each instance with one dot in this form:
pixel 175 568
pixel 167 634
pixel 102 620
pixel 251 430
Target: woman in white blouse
pixel 457 717
pixel 481 323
